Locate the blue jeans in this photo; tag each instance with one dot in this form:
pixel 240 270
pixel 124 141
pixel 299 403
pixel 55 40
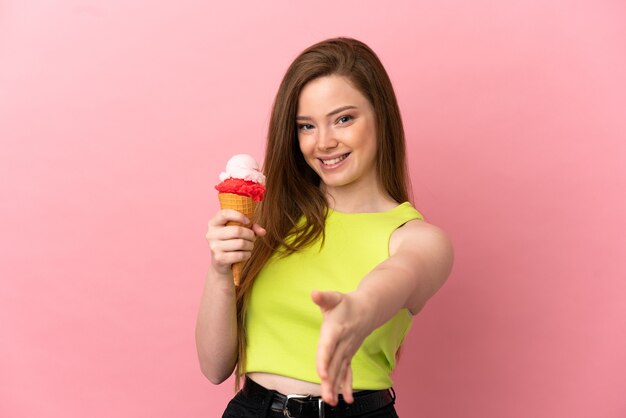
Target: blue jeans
pixel 241 407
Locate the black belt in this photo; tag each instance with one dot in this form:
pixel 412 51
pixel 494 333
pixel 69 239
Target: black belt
pixel 308 406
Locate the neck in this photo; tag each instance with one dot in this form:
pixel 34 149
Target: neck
pixel 358 198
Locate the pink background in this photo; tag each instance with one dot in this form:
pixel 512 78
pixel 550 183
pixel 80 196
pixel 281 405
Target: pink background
pixel 116 117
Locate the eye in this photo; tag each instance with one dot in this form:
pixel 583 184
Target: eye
pixel 305 127
pixel 344 119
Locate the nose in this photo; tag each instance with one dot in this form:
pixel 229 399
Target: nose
pixel 326 140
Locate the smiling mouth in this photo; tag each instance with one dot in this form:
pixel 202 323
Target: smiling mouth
pixel 334 160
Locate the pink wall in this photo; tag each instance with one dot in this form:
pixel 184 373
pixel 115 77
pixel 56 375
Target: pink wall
pixel 116 117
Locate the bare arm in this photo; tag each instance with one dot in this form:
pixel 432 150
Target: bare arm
pixel 420 261
pixel 216 325
pixel 216 328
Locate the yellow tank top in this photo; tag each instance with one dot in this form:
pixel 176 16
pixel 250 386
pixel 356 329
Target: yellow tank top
pixel 283 323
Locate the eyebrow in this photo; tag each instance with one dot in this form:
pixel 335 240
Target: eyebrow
pixel 334 112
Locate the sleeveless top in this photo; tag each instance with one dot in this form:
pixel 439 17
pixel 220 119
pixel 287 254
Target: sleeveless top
pixel 283 323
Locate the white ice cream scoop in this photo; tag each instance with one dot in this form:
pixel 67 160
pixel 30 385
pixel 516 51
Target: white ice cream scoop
pixel 243 166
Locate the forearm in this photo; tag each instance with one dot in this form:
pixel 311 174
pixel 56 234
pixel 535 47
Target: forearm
pixel 384 291
pixel 216 328
pixel 409 278
pixel 391 287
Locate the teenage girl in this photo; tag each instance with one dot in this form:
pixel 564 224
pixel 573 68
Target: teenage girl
pixel 338 259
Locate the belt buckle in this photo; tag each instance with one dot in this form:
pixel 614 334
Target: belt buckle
pixel 292 396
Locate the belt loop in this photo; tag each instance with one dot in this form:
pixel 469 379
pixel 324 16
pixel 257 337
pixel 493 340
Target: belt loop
pixel 320 407
pixel 393 393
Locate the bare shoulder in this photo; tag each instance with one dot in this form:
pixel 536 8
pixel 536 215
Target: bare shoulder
pixel 421 245
pixel 424 252
pixel 422 237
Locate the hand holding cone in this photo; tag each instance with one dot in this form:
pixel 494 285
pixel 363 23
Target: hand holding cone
pixel 245 205
pixel 241 189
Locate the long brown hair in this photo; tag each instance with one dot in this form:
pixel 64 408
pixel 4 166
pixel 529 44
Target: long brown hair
pixel 293 190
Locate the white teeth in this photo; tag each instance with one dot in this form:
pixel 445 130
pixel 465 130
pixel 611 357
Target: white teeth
pixel 334 160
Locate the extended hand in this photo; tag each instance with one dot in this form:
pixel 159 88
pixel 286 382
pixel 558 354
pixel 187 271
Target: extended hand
pixel 345 326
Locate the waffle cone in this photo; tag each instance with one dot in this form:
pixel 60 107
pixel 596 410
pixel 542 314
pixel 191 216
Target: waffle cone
pixel 245 205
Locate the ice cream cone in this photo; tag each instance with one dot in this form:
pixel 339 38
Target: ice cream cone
pixel 245 205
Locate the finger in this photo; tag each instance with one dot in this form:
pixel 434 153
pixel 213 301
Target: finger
pixel 326 300
pixel 325 349
pixel 331 388
pixel 231 232
pixel 227 239
pixel 327 393
pixel 238 244
pixel 225 215
pixel 259 230
pixel 231 257
pixel 346 386
pixel 337 362
pixel 339 380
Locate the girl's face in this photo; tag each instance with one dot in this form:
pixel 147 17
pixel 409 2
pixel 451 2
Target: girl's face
pixel 337 132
